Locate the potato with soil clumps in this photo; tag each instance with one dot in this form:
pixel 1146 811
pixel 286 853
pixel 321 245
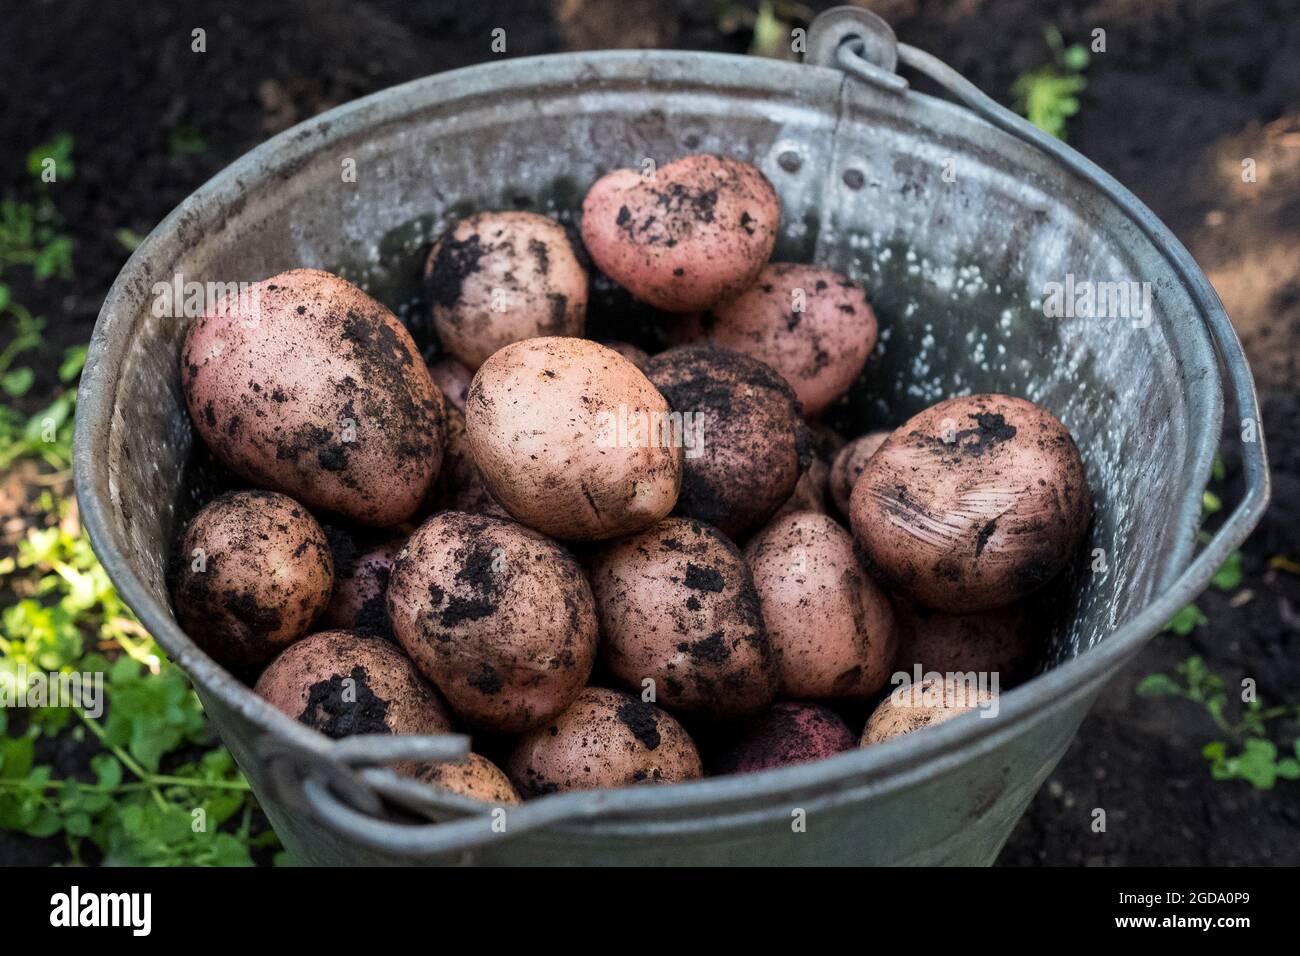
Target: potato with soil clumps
pixel 830 626
pixel 812 325
pixel 606 738
pixel 678 607
pixel 361 570
pixel 254 572
pixel 695 232
pixel 477 778
pixel 790 732
pixel 973 503
pixel 501 277
pixel 1006 641
pixel 571 440
pixel 500 619
pixel 755 444
pixel 342 684
pixel 914 706
pixel 308 386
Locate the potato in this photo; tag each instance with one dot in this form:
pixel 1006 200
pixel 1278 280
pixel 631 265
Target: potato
pixel 310 387
pixel 359 602
pixel 755 443
pixel 678 607
pixel 973 503
pixel 254 572
pixel 460 486
pixel 500 619
pixel 568 435
pixel 809 491
pixel 913 706
pixel 604 739
pixel 789 732
pixel 501 277
pixel 812 325
pixel 846 468
pixel 695 232
pixel 1004 641
pixel 830 626
pixel 342 684
pixel 477 778
pixel 452 380
pixel 634 354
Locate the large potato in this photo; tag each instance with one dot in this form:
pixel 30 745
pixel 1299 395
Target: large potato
pixel 310 387
pixel 254 571
pixel 812 325
pixel 694 232
pixel 501 277
pixel 752 445
pixel 830 625
pixel 500 619
pixel 342 684
pixel 604 739
pixel 678 607
pixel 568 436
pixel 973 503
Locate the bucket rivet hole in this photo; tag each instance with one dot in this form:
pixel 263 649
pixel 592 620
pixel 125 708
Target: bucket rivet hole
pixel 854 179
pixel 790 161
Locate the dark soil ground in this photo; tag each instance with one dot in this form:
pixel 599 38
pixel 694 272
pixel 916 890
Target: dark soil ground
pixel 1186 90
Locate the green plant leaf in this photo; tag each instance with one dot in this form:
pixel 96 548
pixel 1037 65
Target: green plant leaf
pixel 17 381
pixel 1158 685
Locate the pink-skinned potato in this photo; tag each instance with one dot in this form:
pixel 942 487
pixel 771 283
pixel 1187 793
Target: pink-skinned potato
pixel 846 468
pixel 359 601
pixel 695 232
pixel 452 380
pixel 830 625
pixel 972 504
pixel 476 777
pixel 565 433
pixel 678 607
pixel 789 732
pixel 501 277
pixel 308 386
pixel 254 573
pixel 342 683
pixel 812 325
pixel 604 739
pixel 500 619
pixel 912 707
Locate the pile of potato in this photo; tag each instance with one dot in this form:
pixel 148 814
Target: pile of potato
pixel 610 567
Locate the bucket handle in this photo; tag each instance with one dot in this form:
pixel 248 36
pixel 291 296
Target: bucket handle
pixel 864 46
pixel 346 795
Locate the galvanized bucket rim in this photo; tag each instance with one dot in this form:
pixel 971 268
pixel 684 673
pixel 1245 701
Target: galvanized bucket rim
pixel 891 763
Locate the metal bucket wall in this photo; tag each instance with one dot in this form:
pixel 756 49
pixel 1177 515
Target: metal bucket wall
pixel 949 222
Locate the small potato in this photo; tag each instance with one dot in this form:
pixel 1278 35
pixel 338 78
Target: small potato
pixel 830 626
pixel 502 277
pixel 846 468
pixel 604 739
pixel 812 325
pixel 914 706
pixel 308 386
pixel 452 379
pixel 1004 641
pixel 460 486
pixel 972 504
pixel 500 619
pixel 254 573
pixel 751 441
pixel 787 733
pixel 695 233
pixel 568 435
pixel 634 354
pixel 677 605
pixel 809 491
pixel 477 778
pixel 342 684
pixel 359 602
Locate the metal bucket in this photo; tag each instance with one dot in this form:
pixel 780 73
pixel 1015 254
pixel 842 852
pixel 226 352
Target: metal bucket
pixel 953 216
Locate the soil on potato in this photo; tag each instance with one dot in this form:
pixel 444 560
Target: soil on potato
pixel 1186 91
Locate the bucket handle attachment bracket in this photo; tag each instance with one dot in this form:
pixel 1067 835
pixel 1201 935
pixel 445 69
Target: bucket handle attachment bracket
pixel 858 42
